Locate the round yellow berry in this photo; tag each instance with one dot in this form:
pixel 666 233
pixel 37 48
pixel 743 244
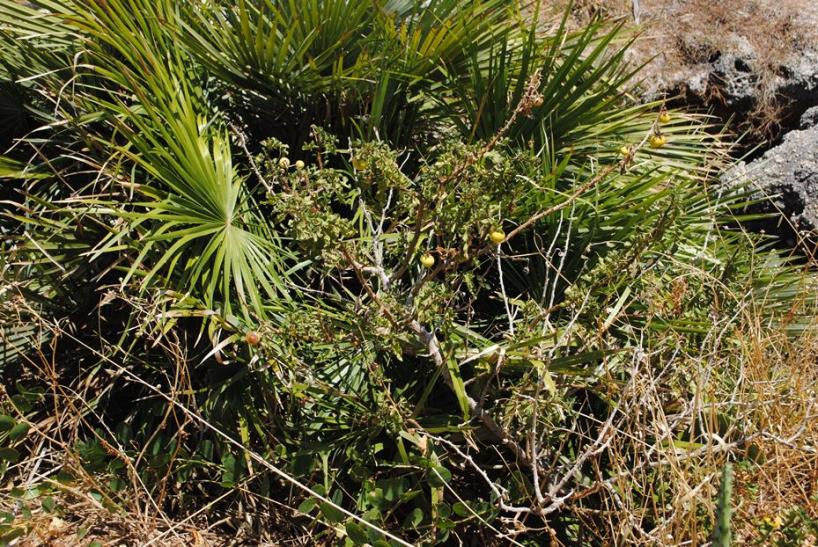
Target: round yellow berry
pixel 664 117
pixel 427 260
pixel 625 150
pixel 284 163
pixel 299 165
pixel 497 236
pixel 359 164
pixel 657 141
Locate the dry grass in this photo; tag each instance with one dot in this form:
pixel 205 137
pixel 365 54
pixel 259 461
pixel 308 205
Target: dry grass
pixel 782 376
pixel 749 394
pixel 53 499
pixel 86 507
pixel 78 523
pixel 664 493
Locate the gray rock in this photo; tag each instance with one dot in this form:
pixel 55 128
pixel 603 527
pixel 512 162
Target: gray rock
pixel 787 173
pixel 734 78
pixel 735 73
pixel 809 118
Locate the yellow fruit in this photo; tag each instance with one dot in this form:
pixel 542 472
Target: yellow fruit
pixel 427 260
pixel 657 141
pixel 625 150
pixel 284 163
pixel 497 236
pixel 664 117
pixel 299 165
pixel 537 101
pixel 252 338
pixel 359 164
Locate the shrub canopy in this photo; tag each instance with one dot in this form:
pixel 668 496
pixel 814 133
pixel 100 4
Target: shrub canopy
pixel 408 253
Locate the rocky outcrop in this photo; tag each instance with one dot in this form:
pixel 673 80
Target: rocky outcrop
pixel 734 85
pixel 809 118
pixel 788 173
pixel 753 62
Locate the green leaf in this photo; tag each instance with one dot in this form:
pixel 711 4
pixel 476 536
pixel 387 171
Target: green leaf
pixel 9 454
pixel 330 513
pixel 413 519
pixel 229 469
pixel 9 533
pixel 461 510
pixel 6 422
pixel 356 533
pixel 18 431
pixel 48 504
pixel 307 505
pixel 439 476
pixel 391 488
pixel 459 388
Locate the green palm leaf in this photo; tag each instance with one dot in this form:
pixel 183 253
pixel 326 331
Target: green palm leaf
pixel 196 229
